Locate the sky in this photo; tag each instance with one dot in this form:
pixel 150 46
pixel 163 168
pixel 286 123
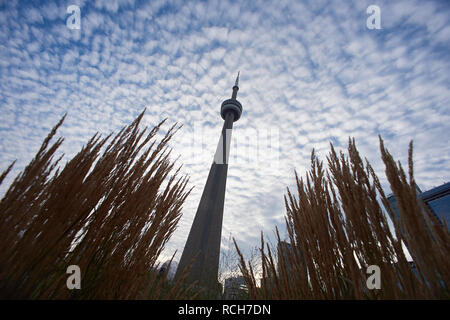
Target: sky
pixel 311 73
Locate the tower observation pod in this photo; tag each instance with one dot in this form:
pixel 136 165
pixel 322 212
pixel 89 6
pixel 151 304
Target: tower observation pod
pixel 232 105
pixel 202 247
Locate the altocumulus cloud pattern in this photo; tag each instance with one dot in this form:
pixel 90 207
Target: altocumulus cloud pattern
pixel 311 73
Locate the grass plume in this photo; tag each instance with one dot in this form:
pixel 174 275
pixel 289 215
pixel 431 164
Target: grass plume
pixel 337 229
pixel 110 210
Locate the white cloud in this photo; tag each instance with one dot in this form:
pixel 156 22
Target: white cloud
pixel 309 70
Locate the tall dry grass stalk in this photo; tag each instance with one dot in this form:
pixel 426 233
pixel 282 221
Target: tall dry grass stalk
pixel 337 229
pixel 110 210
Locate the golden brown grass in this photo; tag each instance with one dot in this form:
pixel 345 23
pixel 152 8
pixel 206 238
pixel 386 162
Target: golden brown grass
pixel 338 228
pixel 110 210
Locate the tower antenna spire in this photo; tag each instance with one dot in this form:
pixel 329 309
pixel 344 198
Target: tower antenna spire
pixel 236 87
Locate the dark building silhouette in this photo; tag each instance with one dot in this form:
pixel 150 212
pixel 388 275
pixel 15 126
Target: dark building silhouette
pixel 204 238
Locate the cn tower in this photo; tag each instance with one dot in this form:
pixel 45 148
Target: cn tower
pixel 203 242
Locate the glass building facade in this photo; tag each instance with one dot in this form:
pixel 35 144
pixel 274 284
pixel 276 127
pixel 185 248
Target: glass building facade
pixel 437 200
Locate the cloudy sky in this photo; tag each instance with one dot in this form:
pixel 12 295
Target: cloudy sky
pixel 311 72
